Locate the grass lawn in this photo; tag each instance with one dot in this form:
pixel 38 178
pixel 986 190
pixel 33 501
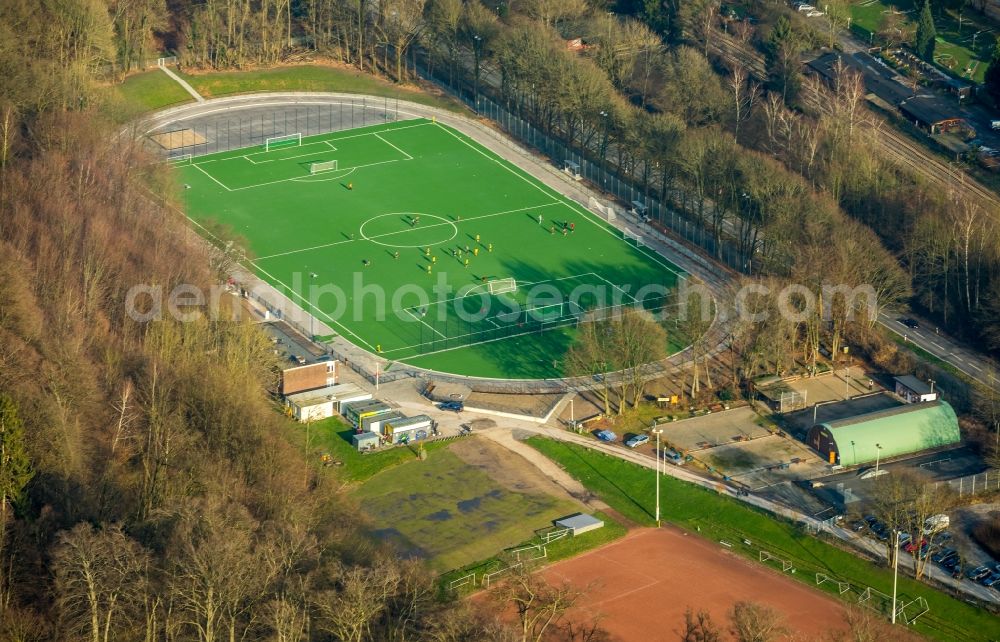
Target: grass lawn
pixel 557 550
pixel 954 50
pixel 450 513
pixel 396 246
pixel 310 78
pixel 145 92
pixel 629 489
pixel 333 437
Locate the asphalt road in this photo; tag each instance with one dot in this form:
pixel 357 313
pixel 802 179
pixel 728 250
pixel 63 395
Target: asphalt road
pixel 932 339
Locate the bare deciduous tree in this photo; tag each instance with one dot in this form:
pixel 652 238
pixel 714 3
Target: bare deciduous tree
pixel 744 93
pixel 100 579
pixel 538 605
pixel 753 622
pixel 699 627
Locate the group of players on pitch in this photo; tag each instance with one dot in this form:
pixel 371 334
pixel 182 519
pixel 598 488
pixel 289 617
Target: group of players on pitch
pixel 462 255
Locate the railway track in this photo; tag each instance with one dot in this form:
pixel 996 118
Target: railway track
pixel 896 145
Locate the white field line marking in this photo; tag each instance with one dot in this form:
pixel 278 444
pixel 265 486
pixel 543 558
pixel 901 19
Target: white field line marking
pixel 408 157
pixel 462 336
pixel 330 145
pixel 220 183
pixel 311 142
pixel 404 231
pixel 634 300
pixel 433 329
pixel 309 303
pixel 570 203
pixel 314 142
pixel 557 324
pixel 328 317
pixel 247 158
pixel 311 179
pixel 478 291
pixel 299 178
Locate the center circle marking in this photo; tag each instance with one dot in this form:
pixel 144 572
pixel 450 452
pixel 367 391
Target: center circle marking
pixel 444 222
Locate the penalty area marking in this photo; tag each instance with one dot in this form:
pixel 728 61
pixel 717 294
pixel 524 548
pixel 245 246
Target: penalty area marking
pixel 247 158
pixel 416 318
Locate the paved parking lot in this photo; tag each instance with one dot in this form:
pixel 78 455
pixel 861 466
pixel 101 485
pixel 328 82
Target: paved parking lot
pixel 765 461
pixel 718 428
pixel 834 386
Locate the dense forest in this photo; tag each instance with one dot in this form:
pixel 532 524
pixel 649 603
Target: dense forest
pixel 148 488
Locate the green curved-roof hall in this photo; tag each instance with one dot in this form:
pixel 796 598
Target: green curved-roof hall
pixel 896 431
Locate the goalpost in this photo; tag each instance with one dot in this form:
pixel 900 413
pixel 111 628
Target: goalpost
pixel 635 238
pixel 288 140
pixel 322 166
pixel 180 159
pixel 501 286
pixel 544 313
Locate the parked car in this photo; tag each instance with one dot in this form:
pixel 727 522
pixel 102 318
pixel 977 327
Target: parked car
pixel 637 440
pixel 606 435
pixel 978 573
pixel 943 554
pixel 990 580
pixel 454 406
pixel 673 457
pixel 952 563
pixel 859 525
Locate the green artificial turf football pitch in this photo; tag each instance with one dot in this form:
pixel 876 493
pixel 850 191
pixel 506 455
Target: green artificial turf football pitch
pixel 423 246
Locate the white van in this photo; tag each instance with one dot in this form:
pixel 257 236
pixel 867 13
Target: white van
pixel 936 523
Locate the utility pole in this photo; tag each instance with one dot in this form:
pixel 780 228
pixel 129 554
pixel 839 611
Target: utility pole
pixel 312 313
pixel 895 576
pixel 878 454
pixel 657 431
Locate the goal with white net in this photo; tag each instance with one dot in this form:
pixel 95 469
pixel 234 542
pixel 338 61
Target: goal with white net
pixel 181 159
pixel 502 286
pixel 288 140
pixel 633 237
pixel 322 166
pixel 545 313
pixel 605 209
